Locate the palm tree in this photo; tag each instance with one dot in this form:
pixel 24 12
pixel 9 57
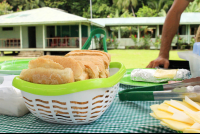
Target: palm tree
pixel 26 4
pixel 125 4
pixel 158 5
pixel 31 4
pixel 193 7
pixel 162 13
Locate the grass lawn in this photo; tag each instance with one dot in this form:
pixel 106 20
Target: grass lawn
pixel 130 58
pixel 138 58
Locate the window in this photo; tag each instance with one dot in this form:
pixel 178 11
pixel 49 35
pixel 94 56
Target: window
pixel 7 28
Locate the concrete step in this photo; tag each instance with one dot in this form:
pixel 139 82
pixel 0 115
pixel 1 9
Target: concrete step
pixel 30 53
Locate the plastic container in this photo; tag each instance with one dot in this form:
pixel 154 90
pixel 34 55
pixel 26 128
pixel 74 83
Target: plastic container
pixel 196 48
pixel 72 103
pixel 11 101
pixel 194 62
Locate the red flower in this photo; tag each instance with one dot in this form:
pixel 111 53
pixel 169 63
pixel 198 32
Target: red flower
pixel 143 37
pixel 135 36
pixel 112 40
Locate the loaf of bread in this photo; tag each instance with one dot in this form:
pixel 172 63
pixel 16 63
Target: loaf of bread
pixel 67 62
pixel 92 54
pixel 49 76
pixel 75 66
pixel 97 61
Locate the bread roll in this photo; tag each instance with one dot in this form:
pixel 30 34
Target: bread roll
pixel 97 51
pixel 93 54
pixel 97 61
pixel 91 69
pixel 45 63
pixel 67 62
pixel 49 76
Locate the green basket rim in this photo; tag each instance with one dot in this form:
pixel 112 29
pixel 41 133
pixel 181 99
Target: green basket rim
pixel 69 88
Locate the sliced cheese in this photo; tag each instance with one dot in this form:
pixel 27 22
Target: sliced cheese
pixel 164 124
pixel 176 125
pixel 164 107
pixel 154 107
pixel 154 116
pixel 162 114
pixel 162 73
pixel 192 103
pixel 191 131
pixel 183 103
pixel 180 106
pixel 194 116
pixel 195 126
pixel 183 118
pixel 174 110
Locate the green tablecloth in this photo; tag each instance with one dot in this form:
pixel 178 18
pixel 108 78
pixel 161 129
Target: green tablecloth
pixel 120 117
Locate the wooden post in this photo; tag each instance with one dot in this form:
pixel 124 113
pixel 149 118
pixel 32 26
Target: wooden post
pixel 80 36
pixel 44 40
pixel 138 33
pixel 119 33
pixel 157 30
pixel 188 33
pixel 21 39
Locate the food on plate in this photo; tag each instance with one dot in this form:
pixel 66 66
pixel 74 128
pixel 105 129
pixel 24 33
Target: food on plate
pixel 92 54
pixel 107 54
pixel 178 115
pixel 42 75
pixel 159 75
pixel 80 65
pixel 96 60
pixel 164 73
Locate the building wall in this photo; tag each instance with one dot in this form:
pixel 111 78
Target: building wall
pixel 15 33
pixel 39 36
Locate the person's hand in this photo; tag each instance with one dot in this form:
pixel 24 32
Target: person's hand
pixel 159 61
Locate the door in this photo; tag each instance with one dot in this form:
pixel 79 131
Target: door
pixel 50 31
pixel 32 37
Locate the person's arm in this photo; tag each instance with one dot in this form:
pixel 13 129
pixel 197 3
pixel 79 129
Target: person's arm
pixel 170 28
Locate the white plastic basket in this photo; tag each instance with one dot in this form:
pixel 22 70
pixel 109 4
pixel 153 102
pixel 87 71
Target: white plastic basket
pixel 79 107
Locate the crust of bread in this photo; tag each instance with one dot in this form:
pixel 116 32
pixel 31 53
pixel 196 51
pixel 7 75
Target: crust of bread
pixel 94 54
pixel 97 61
pixel 107 73
pixel 67 62
pixel 47 76
pixel 107 54
pixel 91 69
pixel 45 63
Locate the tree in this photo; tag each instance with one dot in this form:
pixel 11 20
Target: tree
pixel 126 4
pixel 26 4
pixel 5 8
pixel 145 11
pixel 193 7
pixel 162 13
pixel 159 5
pixel 100 9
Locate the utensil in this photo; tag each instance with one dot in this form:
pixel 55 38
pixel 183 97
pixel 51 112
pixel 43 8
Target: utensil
pixel 161 92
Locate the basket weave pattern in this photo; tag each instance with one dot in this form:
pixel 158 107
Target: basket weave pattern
pixel 77 108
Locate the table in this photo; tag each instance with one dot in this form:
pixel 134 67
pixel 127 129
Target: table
pixel 120 117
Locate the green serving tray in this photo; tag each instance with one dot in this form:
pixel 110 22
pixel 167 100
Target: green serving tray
pixel 14 67
pixel 127 80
